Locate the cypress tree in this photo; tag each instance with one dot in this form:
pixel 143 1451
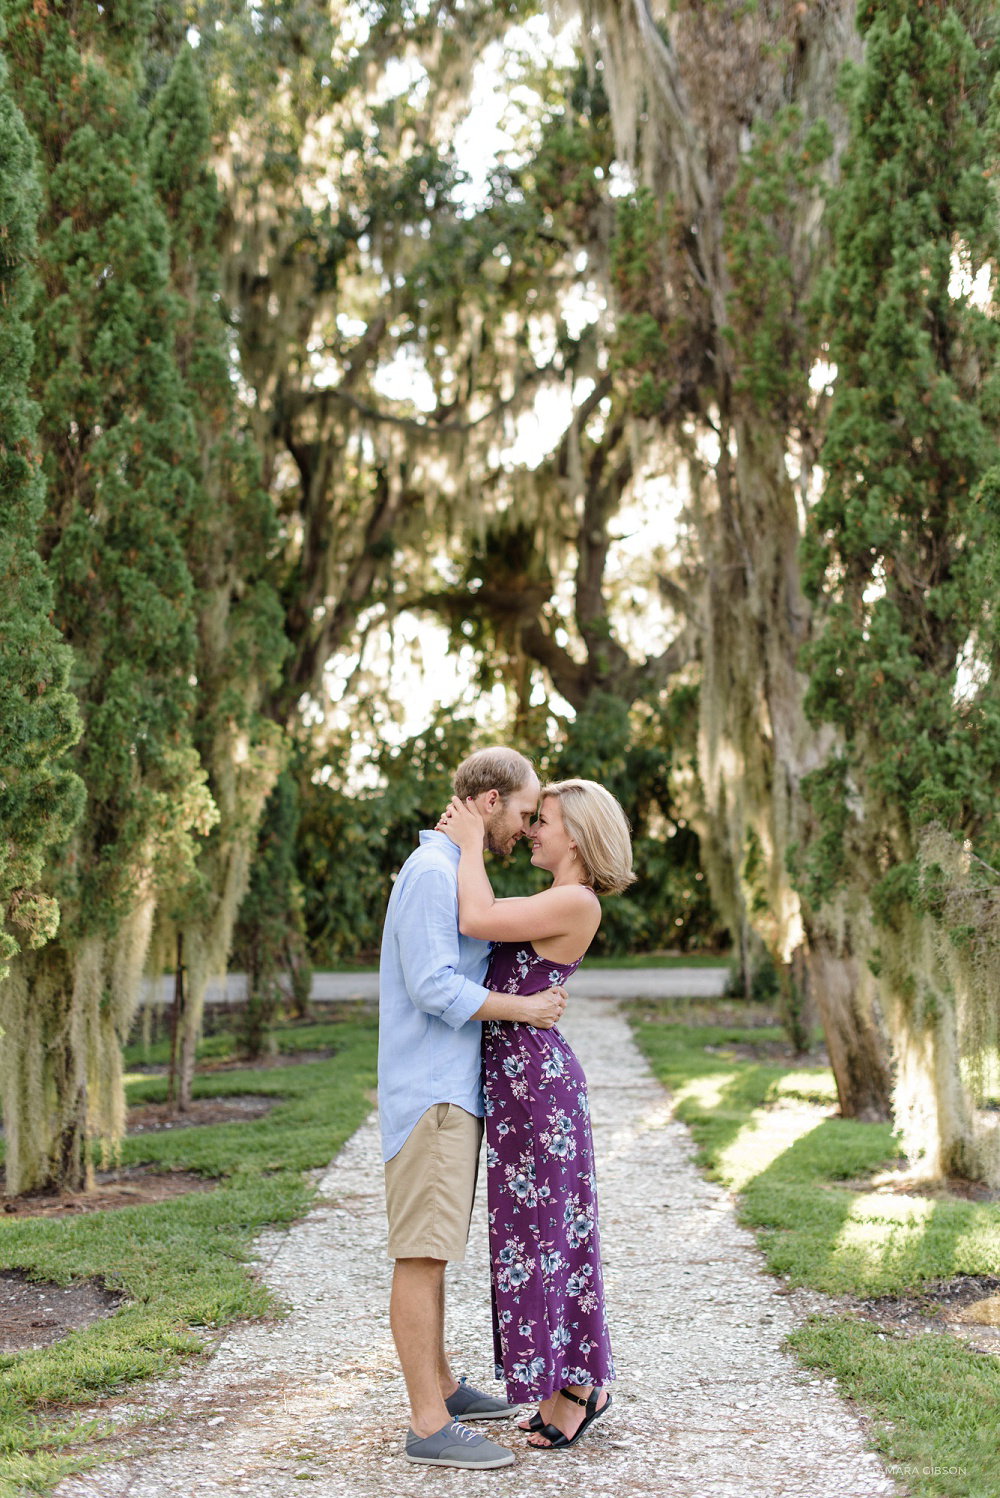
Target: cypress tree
pixel 118 458
pixel 40 797
pixel 227 536
pixel 904 540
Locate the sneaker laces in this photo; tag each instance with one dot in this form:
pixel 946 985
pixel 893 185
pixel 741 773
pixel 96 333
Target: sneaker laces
pixel 463 1432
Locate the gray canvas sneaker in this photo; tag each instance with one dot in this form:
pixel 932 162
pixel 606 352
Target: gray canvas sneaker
pixel 470 1403
pixel 455 1445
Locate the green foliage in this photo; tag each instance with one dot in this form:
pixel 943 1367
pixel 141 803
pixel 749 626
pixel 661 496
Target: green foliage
pixel 229 538
pixel 769 311
pixel 268 940
pixel 902 549
pixel 574 156
pixel 353 842
pixel 230 528
pixel 659 341
pixel 119 461
pixel 904 542
pixel 116 436
pixel 40 798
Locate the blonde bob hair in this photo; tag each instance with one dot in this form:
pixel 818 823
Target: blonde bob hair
pixel 600 829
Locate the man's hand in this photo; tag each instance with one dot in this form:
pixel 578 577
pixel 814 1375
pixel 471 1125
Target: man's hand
pixel 544 1010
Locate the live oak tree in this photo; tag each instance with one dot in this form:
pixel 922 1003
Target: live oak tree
pixel 903 552
pixel 341 248
pixel 730 118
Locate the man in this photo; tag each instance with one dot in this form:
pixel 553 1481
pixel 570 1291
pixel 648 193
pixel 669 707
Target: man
pixel 431 1008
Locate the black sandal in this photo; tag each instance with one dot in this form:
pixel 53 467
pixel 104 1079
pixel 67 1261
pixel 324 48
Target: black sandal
pixel 558 1439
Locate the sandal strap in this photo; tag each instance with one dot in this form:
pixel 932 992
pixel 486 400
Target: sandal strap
pixel 583 1403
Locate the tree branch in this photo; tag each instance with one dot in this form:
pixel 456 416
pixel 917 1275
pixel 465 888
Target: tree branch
pixel 295 404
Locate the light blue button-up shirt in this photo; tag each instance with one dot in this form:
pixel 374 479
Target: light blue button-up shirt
pixel 430 984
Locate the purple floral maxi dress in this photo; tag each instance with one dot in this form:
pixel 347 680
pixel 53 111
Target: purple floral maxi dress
pixel 549 1324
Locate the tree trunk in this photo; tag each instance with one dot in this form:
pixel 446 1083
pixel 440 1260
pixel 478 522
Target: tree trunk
pixel 190 1033
pixel 69 1167
pixel 43 1073
pixel 934 1111
pixel 935 1120
pixel 176 1021
pixel 854 1039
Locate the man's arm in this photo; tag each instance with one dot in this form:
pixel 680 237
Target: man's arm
pixel 427 934
pixel 543 1010
pixel 427 937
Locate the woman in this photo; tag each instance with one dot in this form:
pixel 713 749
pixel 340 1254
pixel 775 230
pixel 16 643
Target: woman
pixel 549 1325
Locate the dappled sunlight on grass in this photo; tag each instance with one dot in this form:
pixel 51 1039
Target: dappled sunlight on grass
pixel 763 1138
pixel 813 1085
pixel 977 1243
pixel 874 1208
pixel 705 1092
pixel 881 1230
pixel 767 1129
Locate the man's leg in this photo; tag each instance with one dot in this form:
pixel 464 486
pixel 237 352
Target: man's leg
pixel 446 1379
pixel 416 1315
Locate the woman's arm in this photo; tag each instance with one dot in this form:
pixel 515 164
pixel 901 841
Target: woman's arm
pixel 553 912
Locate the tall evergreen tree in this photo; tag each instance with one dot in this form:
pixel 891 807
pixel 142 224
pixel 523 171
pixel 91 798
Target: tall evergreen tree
pixel 227 535
pixel 118 444
pixel 904 542
pixel 40 797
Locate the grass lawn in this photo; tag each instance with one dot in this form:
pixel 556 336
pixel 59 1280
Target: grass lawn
pixel 764 1128
pixel 181 1264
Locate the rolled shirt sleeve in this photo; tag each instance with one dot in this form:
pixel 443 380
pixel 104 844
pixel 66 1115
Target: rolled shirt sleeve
pixel 431 984
pixel 429 952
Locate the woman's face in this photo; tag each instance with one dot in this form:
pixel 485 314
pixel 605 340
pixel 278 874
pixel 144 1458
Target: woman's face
pixel 550 842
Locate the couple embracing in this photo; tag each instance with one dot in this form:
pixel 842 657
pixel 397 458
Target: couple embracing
pixel 471 993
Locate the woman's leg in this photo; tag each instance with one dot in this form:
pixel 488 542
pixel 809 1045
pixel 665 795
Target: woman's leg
pixel 566 1415
pixel 543 1417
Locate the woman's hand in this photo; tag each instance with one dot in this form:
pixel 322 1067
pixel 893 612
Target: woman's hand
pixel 463 824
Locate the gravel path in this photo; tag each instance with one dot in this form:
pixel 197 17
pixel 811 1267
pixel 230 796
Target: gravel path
pixel 707 1405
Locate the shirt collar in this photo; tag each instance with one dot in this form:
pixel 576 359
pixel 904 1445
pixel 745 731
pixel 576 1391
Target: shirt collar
pixel 441 840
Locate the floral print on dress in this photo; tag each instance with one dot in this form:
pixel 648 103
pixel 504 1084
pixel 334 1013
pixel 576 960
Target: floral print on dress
pixel 549 1322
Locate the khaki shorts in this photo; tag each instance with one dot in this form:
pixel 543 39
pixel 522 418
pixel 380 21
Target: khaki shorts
pixel 430 1186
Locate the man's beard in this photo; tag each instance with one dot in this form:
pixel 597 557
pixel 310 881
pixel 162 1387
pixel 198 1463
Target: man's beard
pixel 501 832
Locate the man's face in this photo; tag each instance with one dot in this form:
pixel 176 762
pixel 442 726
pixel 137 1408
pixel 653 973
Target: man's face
pixel 505 824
